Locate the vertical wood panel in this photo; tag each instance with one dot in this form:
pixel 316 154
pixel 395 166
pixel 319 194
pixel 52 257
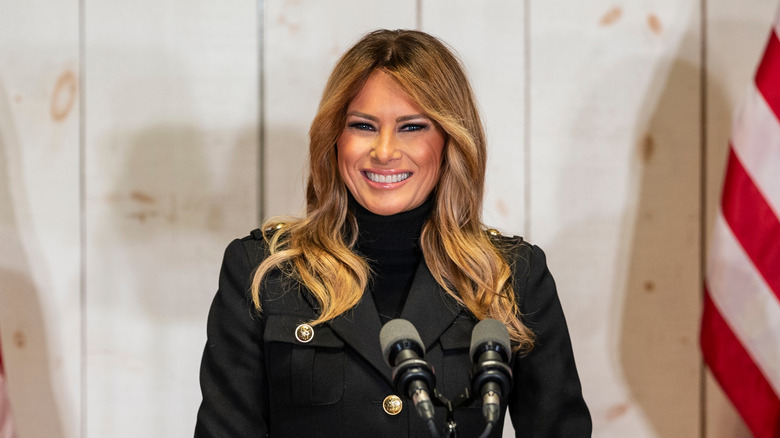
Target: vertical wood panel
pixel 171 177
pixel 303 40
pixel 615 201
pixel 490 41
pixel 39 214
pixel 736 38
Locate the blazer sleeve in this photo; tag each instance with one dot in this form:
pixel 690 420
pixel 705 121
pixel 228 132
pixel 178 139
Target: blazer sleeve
pixel 547 397
pixel 232 374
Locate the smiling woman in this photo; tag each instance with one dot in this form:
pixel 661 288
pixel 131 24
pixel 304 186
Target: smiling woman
pixel 392 230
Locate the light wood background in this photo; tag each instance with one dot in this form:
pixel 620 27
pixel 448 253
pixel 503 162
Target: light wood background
pixel 138 138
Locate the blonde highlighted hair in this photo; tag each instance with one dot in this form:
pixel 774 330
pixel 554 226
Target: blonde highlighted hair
pixel 316 250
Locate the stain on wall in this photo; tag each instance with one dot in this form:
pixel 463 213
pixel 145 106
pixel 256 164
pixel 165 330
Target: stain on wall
pixel 611 16
pixel 654 23
pixel 64 96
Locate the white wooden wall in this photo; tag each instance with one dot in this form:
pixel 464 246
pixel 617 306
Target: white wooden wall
pixel 138 138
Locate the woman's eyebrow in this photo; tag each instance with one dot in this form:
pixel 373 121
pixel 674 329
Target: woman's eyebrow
pixel 376 119
pixel 410 117
pixel 363 116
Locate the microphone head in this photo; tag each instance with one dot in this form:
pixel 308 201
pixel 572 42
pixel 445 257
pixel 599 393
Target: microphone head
pixel 489 330
pixel 395 331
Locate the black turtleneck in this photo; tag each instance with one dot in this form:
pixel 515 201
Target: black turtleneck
pixel 391 244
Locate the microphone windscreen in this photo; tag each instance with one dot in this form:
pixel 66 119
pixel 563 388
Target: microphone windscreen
pixel 394 331
pixel 489 330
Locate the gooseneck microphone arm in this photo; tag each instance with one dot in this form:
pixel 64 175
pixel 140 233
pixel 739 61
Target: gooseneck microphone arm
pixel 413 377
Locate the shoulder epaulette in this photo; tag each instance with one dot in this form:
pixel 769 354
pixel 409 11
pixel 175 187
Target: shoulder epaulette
pixel 500 239
pixel 258 234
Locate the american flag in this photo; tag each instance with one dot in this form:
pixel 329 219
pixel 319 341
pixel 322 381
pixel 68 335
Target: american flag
pixel 6 425
pixel 740 333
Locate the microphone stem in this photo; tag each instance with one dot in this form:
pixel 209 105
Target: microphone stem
pixel 491 406
pixel 424 406
pixel 420 395
pixel 486 432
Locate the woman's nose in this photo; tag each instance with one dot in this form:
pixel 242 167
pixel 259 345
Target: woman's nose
pixel 385 149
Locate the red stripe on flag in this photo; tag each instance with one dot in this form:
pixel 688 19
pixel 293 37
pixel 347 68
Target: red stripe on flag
pixel 752 220
pixel 738 375
pixel 768 75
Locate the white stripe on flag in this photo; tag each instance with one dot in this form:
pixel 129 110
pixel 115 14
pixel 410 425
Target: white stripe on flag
pixel 756 141
pixel 745 300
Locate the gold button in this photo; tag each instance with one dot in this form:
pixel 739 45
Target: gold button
pixel 493 232
pixel 304 333
pixel 392 405
pixel 279 226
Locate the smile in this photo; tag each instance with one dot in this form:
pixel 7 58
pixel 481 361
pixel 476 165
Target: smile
pixel 387 179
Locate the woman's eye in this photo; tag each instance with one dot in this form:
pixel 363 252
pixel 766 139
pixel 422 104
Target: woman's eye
pixel 360 126
pixel 413 127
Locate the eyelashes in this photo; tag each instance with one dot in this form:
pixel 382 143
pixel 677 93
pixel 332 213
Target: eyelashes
pixel 414 127
pixel 361 126
pixel 409 127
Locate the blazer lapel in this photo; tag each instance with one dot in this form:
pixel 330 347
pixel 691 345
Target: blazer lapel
pixel 359 328
pixel 428 307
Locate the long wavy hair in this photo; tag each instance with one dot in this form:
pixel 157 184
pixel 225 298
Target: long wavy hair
pixel 316 250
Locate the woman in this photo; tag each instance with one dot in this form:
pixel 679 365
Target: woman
pixel 392 229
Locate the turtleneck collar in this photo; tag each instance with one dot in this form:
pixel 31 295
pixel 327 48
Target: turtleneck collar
pixel 395 232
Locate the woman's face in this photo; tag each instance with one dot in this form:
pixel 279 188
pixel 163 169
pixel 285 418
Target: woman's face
pixel 389 152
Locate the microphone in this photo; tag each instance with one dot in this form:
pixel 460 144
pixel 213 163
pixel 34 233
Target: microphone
pixel 413 377
pixel 490 375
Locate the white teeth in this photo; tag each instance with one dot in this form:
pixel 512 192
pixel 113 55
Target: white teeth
pixel 385 179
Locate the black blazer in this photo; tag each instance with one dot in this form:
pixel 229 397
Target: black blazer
pixel 258 380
